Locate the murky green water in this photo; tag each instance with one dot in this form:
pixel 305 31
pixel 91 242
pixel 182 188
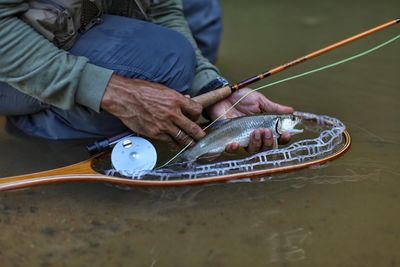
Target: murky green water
pixel 344 214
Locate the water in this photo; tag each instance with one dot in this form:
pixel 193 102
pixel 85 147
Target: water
pixel 344 214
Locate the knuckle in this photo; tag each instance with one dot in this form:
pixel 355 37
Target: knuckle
pixel 197 107
pixel 151 133
pixel 193 129
pixel 157 132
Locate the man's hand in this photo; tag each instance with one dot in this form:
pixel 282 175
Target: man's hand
pixel 255 103
pixel 153 110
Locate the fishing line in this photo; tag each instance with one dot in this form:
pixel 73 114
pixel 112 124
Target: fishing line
pixel 286 80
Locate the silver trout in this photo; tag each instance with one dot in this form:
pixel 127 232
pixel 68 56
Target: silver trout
pixel 238 130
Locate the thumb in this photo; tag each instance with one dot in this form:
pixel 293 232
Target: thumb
pixel 275 108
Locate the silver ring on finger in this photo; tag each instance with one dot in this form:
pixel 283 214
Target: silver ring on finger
pixel 178 134
pixel 182 138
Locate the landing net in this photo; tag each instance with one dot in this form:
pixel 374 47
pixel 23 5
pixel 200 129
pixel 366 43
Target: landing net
pixel 330 140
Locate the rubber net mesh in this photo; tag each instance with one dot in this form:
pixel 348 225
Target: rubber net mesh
pixel 329 132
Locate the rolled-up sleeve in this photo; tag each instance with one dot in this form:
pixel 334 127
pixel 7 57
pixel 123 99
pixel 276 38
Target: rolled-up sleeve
pixel 33 65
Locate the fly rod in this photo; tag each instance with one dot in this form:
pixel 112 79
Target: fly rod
pixel 215 96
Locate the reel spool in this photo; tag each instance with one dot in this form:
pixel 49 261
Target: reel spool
pixel 132 154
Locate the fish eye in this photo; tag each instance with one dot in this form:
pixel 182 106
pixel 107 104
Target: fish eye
pixel 293 118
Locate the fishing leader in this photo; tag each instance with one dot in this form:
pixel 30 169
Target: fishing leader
pixel 90 68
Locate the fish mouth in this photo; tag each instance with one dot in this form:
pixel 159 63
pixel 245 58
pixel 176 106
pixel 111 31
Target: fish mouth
pixel 296 131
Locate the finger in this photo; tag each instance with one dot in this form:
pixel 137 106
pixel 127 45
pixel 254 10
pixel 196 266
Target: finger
pixel 190 128
pixel 191 108
pixel 284 139
pixel 183 139
pixel 170 141
pixel 179 136
pixel 274 108
pixel 232 147
pixel 268 139
pixel 255 142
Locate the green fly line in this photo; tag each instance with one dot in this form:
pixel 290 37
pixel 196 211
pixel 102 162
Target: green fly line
pixel 286 80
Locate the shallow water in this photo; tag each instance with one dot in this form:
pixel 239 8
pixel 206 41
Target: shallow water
pixel 343 214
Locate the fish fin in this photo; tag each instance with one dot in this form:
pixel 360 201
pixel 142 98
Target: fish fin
pixel 186 157
pixel 275 143
pixel 209 156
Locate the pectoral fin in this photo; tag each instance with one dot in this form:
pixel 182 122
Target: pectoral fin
pixel 210 156
pixel 275 143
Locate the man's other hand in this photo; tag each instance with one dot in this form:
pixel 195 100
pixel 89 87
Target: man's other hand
pixel 254 103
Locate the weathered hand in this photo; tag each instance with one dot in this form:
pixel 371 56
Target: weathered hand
pixel 255 103
pixel 153 110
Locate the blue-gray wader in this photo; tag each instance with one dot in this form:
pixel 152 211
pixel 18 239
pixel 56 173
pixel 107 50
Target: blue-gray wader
pixel 144 51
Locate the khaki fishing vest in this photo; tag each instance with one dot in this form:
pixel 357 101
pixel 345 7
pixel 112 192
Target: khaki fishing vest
pixel 60 21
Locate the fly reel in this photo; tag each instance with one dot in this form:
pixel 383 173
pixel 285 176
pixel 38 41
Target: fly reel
pixel 132 154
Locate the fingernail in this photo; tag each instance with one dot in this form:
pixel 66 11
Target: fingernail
pixel 268 134
pixel 257 135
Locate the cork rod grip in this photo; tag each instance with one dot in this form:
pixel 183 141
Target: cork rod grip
pixel 213 97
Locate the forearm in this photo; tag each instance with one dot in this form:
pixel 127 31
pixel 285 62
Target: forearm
pixel 34 66
pixel 169 14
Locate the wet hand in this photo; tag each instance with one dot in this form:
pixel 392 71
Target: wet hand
pixel 260 140
pixel 153 110
pixel 254 103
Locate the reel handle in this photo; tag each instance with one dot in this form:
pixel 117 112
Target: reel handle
pixel 106 143
pixel 213 97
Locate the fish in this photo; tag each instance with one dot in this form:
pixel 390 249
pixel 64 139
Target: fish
pixel 238 130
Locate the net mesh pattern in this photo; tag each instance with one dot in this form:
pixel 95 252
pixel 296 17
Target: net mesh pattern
pixel 330 139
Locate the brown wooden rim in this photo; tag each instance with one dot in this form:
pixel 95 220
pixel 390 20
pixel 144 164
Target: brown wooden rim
pixel 87 174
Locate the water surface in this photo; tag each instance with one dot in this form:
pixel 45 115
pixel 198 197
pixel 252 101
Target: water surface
pixel 346 213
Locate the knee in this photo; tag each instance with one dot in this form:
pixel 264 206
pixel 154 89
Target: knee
pixel 140 50
pixel 13 102
pixel 179 63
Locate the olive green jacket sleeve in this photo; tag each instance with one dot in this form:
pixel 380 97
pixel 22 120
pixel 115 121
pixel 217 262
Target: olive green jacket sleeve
pixel 168 13
pixel 34 66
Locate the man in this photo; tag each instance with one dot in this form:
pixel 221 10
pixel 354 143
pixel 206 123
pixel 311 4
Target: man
pixel 91 68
